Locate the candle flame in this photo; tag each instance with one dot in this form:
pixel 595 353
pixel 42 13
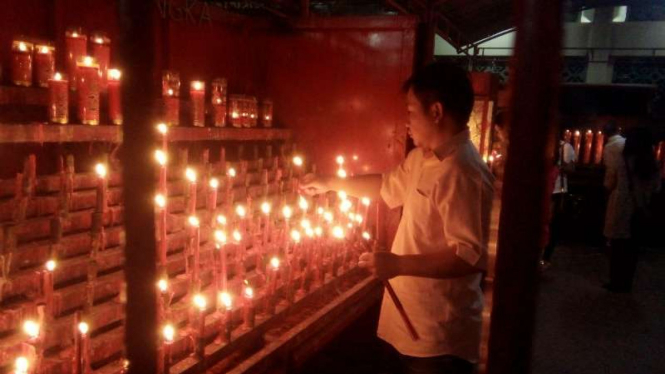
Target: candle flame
pixel 241 211
pixel 303 204
pixel 342 195
pixel 161 157
pixel 21 365
pixel 226 300
pixel 265 207
pixel 200 302
pixel 221 219
pixel 589 132
pixel 114 74
pixel 193 221
pixel 319 210
pixel 341 173
pixel 197 85
pixel 339 160
pixel 87 61
pixel 190 174
pixel 328 216
pixel 338 232
pixel 57 77
pixel 231 172
pixel 99 40
pixel 170 92
pixel 50 265
pixel 214 183
pixel 345 206
pixel 83 328
pixel 100 169
pixel 485 159
pixel 220 236
pixel 359 218
pixel 31 328
pixel 234 115
pixel 297 160
pixel 309 232
pixel 163 285
pixel 236 236
pixel 318 231
pixel 160 200
pixel 491 158
pixel 366 235
pixel 295 235
pixel 43 49
pixel 169 333
pixel 274 263
pixel 249 292
pixel 22 47
pixel 577 132
pixel 287 212
pixel 349 225
pixel 305 223
pixel 162 128
pixel 365 201
pixel 355 157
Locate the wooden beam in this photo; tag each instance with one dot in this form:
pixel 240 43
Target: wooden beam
pixel 532 112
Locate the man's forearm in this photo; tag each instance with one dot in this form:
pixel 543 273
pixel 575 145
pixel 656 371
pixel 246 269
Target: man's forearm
pixel 441 265
pixel 367 185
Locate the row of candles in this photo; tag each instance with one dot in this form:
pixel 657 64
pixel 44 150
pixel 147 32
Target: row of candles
pixel 24 52
pixel 236 110
pixel 592 147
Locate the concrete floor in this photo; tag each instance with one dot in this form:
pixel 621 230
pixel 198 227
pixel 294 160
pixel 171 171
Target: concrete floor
pixel 581 328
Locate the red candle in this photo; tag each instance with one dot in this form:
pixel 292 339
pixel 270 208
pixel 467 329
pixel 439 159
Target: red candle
pixel 248 307
pixel 598 155
pixel 47 287
pixel 212 198
pixel 102 186
pixel 196 239
pixel 197 96
pixel 266 113
pixel 226 303
pixel 171 93
pixel 190 174
pixel 219 92
pixel 100 50
pixel 168 333
pixel 576 144
pixel 75 48
pixel 21 63
pixel 253 111
pixel 273 274
pixel 266 208
pixel 588 143
pixel 201 304
pixel 160 201
pixel 58 99
pixel 82 353
pixel 44 64
pixel 221 239
pixel 88 87
pixel 235 110
pixel 567 135
pixel 115 105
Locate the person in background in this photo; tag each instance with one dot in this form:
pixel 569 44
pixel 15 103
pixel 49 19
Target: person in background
pixel 440 249
pixel 564 164
pixel 619 210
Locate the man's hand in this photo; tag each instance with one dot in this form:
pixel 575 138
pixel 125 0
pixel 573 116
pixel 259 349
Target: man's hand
pixel 313 184
pixel 383 265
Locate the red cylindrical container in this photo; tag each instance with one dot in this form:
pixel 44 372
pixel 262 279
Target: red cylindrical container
pixel 244 111
pixel 253 109
pixel 588 143
pixel 44 64
pixel 100 50
pixel 598 148
pixel 22 63
pixel 219 101
pixel 58 99
pixel 171 93
pixel 234 110
pixel 197 97
pixel 115 103
pixel 88 87
pixel 76 48
pixel 577 141
pixel 266 113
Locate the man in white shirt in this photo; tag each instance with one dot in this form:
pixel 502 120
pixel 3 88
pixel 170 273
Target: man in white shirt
pixel 440 249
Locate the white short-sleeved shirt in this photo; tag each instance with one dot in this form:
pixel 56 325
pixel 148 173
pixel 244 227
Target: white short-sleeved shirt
pixel 568 156
pixel 447 202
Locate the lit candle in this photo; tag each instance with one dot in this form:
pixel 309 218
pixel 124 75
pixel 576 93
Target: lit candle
pixel 32 330
pixel 230 176
pixel 212 198
pixel 239 253
pixel 221 239
pixel 102 185
pixel 588 143
pixel 81 348
pixel 58 99
pixel 171 93
pixel 44 64
pixel 576 143
pixel 598 155
pixel 160 201
pixel 88 86
pixel 163 129
pixel 235 109
pixel 197 96
pixel 195 239
pixel 266 113
pixel 266 208
pixel 567 136
pixel 164 297
pixel 115 105
pixel 21 63
pixel 287 212
pixel 219 91
pixel 75 48
pixel 365 201
pixel 21 365
pixel 341 172
pixel 168 334
pixel 190 174
pixel 303 204
pixel 101 51
pixel 338 234
pixel 201 304
pixel 273 274
pixel 47 285
pixel 248 306
pixel 227 303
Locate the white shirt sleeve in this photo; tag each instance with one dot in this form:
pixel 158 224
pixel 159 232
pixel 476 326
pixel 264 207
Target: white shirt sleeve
pixel 569 153
pixel 395 182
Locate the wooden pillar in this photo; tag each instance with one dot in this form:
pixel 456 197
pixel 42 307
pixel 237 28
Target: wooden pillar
pixel 426 32
pixel 137 45
pixel 535 77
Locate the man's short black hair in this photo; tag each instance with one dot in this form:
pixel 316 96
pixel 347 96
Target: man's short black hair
pixel 445 83
pixel 611 128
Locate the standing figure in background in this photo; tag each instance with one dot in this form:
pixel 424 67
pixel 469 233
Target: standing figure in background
pixel 618 214
pixel 564 164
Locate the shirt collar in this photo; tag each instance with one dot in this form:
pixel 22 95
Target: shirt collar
pixel 445 149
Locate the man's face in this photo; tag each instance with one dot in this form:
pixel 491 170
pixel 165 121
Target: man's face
pixel 421 125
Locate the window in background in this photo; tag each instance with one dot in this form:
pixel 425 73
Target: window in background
pixel 586 16
pixel 620 14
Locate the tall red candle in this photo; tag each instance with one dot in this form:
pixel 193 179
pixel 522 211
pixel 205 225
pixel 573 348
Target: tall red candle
pixel 197 97
pixel 577 141
pixel 195 237
pixel 248 307
pixel 58 99
pixel 44 64
pixel 100 50
pixel 266 113
pixel 21 71
pixel 588 144
pixel 235 110
pixel 171 94
pixel 212 198
pixel 115 104
pixel 190 174
pixel 75 48
pixel 598 148
pixel 88 87
pixel 219 101
pixel 47 285
pixel 102 185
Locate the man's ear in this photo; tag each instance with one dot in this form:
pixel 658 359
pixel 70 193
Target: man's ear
pixel 436 111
